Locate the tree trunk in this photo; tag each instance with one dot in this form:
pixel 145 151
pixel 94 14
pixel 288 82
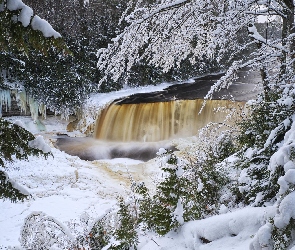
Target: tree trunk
pixel 287 29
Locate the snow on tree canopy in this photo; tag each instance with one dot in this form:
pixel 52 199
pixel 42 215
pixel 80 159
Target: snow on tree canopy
pixel 25 18
pixel 286 211
pixel 169 32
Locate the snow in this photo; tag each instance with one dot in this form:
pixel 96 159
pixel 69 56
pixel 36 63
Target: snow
pixel 72 193
pixel 227 231
pixel 39 143
pixel 200 185
pixel 15 4
pixel 262 238
pixel 42 25
pixel 64 187
pixel 287 211
pixel 25 18
pixel 223 209
pixel 178 213
pixel 162 151
pixel 68 190
pixel 102 99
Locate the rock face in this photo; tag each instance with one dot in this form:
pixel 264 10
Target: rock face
pixel 243 89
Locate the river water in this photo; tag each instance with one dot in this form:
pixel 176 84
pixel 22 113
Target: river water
pixel 137 126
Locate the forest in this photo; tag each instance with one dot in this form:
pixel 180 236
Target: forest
pixel 60 53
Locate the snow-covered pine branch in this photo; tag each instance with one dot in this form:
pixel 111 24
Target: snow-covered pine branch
pixel 27 17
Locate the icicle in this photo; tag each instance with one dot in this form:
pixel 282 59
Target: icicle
pixel 34 109
pixel 21 98
pixel 42 110
pixel 65 114
pixel 5 99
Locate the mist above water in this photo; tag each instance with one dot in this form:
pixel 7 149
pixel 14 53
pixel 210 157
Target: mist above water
pixel 91 149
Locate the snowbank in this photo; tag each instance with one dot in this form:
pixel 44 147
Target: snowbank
pixel 234 230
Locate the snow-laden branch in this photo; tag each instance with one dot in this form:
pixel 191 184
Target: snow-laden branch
pixel 267 58
pixel 161 8
pixel 26 17
pixel 195 29
pixel 255 35
pixel 164 37
pixel 267 8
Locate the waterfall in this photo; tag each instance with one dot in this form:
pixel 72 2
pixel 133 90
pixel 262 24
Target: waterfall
pixel 152 122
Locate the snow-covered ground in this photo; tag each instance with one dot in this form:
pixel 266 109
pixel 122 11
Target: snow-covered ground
pixel 68 188
pixel 64 186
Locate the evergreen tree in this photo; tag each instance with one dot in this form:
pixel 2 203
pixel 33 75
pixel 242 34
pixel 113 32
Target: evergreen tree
pixel 14 143
pixel 18 36
pixel 125 235
pixel 261 134
pixel 158 212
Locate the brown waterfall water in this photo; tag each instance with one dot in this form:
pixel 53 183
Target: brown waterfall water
pixel 159 121
pixel 137 131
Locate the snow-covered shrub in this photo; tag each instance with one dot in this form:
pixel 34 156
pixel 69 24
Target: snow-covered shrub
pixel 267 158
pixel 212 179
pixel 99 235
pixel 116 230
pixel 41 231
pixel 19 143
pixel 283 231
pixel 125 236
pixel 188 190
pixel 163 211
pixel 261 134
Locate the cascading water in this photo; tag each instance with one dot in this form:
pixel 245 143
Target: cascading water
pixel 137 131
pixel 136 126
pixel 153 122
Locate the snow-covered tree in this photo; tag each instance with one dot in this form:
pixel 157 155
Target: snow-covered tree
pixel 163 34
pixel 16 142
pixel 20 31
pixel 167 33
